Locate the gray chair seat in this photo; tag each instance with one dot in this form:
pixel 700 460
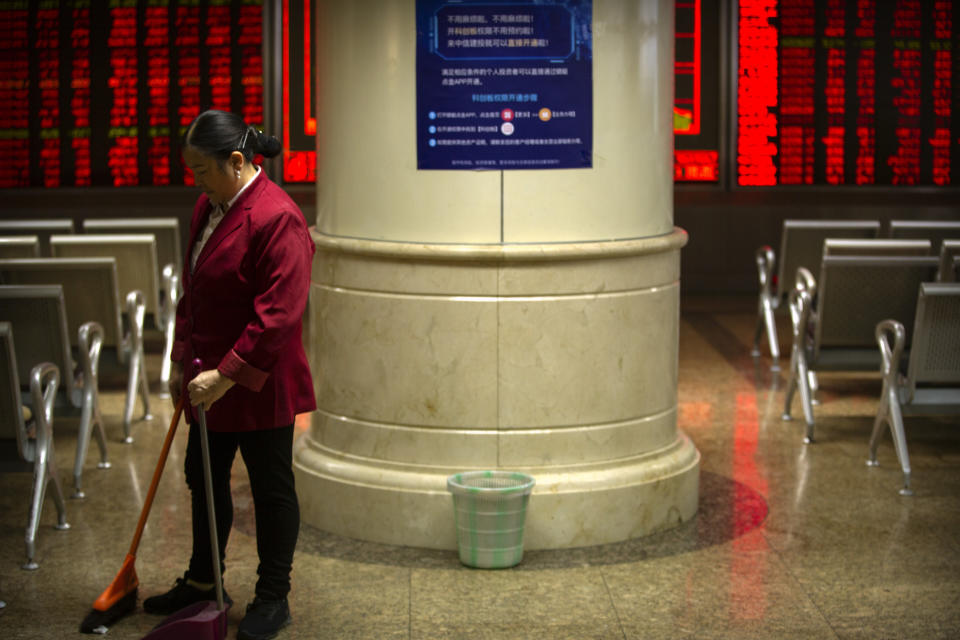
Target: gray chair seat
pixel 836 332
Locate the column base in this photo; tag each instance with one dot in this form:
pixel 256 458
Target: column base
pixel 575 507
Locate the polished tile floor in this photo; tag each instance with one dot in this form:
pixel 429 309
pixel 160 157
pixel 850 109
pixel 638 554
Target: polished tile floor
pixel 791 540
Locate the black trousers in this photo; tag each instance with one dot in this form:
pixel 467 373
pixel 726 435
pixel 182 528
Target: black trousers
pixel 268 455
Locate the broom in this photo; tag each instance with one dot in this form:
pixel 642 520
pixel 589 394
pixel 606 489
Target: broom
pixel 120 598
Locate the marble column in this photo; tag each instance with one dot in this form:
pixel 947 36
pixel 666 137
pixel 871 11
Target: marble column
pixel 523 320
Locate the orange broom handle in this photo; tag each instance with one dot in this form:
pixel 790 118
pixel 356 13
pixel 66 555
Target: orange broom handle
pixel 156 477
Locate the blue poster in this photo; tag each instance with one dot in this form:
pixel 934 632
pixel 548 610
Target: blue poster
pixel 504 85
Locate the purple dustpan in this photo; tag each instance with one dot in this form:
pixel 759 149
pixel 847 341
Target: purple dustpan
pixel 199 621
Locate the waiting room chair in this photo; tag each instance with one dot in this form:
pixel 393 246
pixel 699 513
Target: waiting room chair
pixel 136 256
pixel 853 294
pixel 43 229
pixel 930 384
pixel 90 287
pixel 936 231
pixel 801 245
pixel 26 435
pixel 860 247
pixel 19 247
pixel 166 231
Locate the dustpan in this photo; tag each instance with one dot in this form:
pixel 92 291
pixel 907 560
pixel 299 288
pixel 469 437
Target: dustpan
pixel 201 620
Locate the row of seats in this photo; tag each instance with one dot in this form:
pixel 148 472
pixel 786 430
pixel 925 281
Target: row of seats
pixel 73 311
pixel 876 305
pixel 147 251
pixel 12 245
pixel 801 245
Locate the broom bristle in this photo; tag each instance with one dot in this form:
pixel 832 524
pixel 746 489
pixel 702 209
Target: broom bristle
pixel 100 621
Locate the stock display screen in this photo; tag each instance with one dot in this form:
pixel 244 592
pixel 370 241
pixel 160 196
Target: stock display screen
pixel 99 92
pixel 824 92
pixel 846 92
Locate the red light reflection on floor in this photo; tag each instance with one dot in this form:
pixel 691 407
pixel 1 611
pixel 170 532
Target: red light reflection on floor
pixel 748 563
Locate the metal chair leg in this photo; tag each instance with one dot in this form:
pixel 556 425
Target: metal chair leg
pixel 799 379
pixel 36 504
pixel 771 324
pixel 83 443
pixel 758 331
pixel 766 303
pixel 900 445
pixel 133 373
pixel 883 415
pixel 889 411
pixel 91 422
pixel 803 381
pixel 166 364
pixel 168 319
pixel 58 501
pixel 144 387
pixel 814 386
pixel 44 463
pixel 136 376
pixel 791 386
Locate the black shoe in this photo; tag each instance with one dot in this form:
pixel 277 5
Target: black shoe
pixel 180 596
pixel 264 619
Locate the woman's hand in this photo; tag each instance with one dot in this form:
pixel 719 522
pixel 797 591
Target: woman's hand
pixel 208 387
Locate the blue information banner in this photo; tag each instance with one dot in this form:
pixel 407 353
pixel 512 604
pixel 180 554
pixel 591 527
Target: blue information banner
pixel 505 85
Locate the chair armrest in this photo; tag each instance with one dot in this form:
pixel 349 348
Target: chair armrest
pixel 765 259
pixel 90 340
pixel 800 301
pixel 171 292
pixel 44 380
pixel 136 312
pixel 890 353
pixel 806 281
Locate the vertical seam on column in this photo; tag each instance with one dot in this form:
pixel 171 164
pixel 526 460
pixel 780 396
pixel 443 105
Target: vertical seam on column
pixel 501 206
pixel 499 302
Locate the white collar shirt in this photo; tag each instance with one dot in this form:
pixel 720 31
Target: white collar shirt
pixel 215 217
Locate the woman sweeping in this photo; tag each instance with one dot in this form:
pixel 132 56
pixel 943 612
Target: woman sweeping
pixel 246 283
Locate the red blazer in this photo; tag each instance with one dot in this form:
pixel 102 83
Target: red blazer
pixel 242 308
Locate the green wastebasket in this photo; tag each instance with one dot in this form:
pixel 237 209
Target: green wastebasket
pixel 489 508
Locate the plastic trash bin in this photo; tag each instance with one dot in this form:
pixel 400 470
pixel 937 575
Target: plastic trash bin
pixel 489 508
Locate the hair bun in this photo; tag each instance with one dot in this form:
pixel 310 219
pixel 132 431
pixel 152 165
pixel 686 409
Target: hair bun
pixel 268 146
